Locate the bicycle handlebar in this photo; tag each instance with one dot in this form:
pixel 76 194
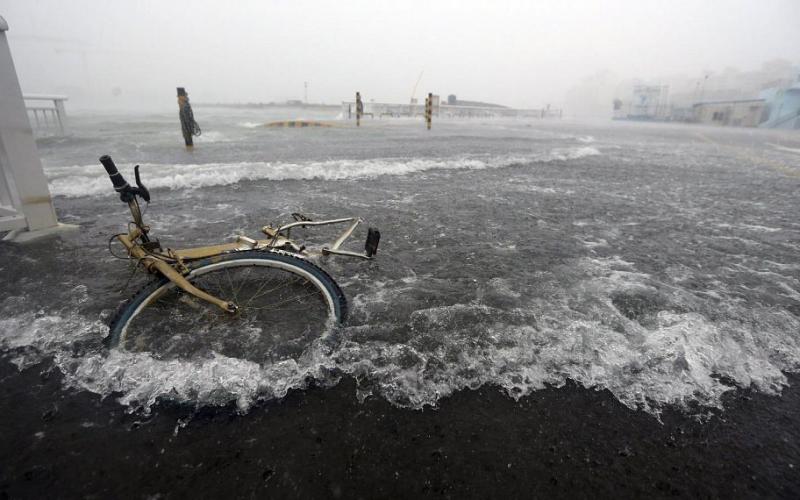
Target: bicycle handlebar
pixel 120 184
pixel 126 192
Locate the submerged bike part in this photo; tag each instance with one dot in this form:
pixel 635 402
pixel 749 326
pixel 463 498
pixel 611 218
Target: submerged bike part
pixel 191 294
pixel 371 245
pixel 284 304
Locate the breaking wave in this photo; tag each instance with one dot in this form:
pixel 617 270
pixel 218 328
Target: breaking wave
pixel 91 180
pixel 612 328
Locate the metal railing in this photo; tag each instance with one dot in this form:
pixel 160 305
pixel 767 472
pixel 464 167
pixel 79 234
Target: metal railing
pixel 46 114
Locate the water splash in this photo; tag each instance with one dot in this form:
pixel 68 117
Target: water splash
pixel 91 180
pixel 609 327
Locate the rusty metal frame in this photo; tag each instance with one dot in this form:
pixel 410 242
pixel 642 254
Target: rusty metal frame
pixel 172 264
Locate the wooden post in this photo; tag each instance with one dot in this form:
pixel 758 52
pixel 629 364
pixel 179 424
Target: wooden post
pixel 429 109
pixel 359 109
pixel 189 127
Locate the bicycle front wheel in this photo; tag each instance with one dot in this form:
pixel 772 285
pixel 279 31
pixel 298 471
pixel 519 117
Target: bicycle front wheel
pixel 285 302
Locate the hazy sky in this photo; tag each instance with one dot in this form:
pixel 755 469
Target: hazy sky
pixel 517 53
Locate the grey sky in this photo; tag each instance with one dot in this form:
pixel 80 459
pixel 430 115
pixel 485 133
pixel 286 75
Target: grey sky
pixel 518 53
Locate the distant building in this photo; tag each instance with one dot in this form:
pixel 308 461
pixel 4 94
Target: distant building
pixel 735 113
pixel 783 109
pixel 767 98
pixel 452 100
pixel 647 102
pixel 650 102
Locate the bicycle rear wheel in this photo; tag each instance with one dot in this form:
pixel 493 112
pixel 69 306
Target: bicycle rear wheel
pixel 285 302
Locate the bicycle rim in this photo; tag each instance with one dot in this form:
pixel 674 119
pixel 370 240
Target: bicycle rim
pixel 285 303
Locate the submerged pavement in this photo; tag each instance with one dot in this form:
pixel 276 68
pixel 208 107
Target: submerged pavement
pixel 655 264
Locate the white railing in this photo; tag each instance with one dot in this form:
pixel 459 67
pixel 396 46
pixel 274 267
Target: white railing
pixel 381 109
pixel 46 113
pixel 24 196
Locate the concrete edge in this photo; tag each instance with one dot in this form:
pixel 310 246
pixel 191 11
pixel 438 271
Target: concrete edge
pixel 25 236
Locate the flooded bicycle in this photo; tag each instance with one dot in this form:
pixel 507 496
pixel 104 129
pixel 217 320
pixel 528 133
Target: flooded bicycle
pixel 251 289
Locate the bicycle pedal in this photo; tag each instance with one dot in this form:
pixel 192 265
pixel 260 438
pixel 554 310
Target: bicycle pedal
pixel 300 217
pixel 373 238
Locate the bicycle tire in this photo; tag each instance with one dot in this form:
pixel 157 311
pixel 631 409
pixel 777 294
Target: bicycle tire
pixel 151 292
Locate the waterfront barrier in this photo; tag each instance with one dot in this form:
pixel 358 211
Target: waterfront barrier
pixel 298 124
pixel 46 113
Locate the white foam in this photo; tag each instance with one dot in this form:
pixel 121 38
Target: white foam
pixel 764 229
pixel 219 380
pixel 214 136
pixel 676 358
pixel 784 148
pixel 91 180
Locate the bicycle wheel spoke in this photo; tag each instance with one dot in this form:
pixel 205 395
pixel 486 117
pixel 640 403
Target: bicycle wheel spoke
pixel 272 290
pixel 230 284
pixel 263 284
pixel 278 310
pixel 271 306
pixel 243 280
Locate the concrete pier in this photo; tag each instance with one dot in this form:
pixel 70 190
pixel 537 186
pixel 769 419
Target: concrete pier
pixel 26 208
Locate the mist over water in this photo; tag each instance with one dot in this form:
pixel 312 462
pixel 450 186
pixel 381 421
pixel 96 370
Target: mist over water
pixel 658 262
pixel 572 55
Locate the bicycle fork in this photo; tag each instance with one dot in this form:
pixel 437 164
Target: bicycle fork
pixel 174 276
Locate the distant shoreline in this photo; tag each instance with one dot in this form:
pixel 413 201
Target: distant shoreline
pixel 265 105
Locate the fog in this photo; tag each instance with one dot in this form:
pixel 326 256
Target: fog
pixel 524 54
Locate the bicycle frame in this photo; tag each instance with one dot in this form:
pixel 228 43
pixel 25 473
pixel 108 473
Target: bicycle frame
pixel 173 263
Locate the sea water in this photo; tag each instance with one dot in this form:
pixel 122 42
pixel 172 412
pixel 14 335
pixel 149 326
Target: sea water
pixel 659 262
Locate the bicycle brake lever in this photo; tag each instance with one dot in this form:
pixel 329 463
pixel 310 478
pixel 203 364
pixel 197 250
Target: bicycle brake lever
pixel 142 191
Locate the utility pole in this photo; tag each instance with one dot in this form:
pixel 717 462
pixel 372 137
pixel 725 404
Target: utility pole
pixel 305 92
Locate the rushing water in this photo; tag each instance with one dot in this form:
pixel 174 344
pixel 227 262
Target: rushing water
pixel 657 261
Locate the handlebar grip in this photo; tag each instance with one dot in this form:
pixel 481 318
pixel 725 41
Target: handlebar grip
pixel 116 178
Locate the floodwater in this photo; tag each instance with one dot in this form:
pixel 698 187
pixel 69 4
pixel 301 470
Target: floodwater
pixel 659 262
